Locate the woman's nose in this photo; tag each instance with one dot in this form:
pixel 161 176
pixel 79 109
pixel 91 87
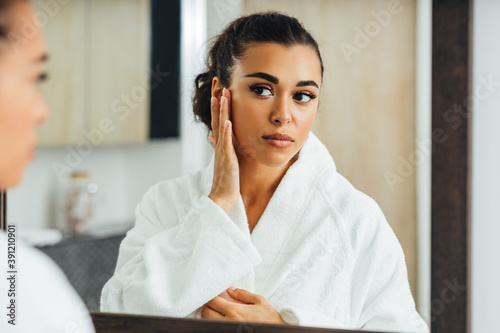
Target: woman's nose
pixel 41 111
pixel 281 114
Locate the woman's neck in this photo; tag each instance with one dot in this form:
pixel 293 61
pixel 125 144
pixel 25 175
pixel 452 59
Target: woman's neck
pixel 258 181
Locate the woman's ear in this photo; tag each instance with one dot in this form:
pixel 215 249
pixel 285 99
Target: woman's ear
pixel 216 88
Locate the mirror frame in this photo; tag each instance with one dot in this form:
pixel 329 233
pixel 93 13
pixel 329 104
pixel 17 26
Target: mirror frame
pixel 3 210
pixel 452 50
pixel 125 323
pixel 452 43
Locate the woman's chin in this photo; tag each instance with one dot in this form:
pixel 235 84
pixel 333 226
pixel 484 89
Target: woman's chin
pixel 265 155
pixel 11 181
pixel 270 160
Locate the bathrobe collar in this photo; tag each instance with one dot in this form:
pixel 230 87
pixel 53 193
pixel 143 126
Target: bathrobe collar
pixel 300 178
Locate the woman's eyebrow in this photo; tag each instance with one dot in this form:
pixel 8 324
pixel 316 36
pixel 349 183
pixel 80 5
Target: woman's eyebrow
pixel 275 80
pixel 307 83
pixel 265 76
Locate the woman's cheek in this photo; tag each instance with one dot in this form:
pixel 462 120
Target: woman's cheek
pixel 240 132
pixel 239 119
pixel 306 119
pixel 247 145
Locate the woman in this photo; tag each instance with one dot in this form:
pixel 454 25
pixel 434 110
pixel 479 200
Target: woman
pixel 269 214
pixel 36 297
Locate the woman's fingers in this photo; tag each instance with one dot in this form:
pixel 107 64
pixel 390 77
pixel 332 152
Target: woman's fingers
pixel 210 313
pixel 222 136
pixel 228 145
pixel 225 185
pixel 225 109
pixel 221 111
pixel 215 108
pixel 229 104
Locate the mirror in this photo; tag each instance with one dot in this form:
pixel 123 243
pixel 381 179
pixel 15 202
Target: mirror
pixel 371 118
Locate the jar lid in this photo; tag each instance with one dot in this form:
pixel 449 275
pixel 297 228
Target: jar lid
pixel 79 175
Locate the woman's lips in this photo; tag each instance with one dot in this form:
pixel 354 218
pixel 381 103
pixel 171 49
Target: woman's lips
pixel 279 140
pixel 278 136
pixel 279 143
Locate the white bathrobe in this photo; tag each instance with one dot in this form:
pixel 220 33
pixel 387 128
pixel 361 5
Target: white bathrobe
pixel 43 299
pixel 322 253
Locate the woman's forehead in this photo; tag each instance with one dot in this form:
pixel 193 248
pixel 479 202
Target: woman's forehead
pixel 26 38
pixel 296 62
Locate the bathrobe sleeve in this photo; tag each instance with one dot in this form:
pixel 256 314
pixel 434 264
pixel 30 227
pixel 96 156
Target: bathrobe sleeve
pixel 380 286
pixel 181 253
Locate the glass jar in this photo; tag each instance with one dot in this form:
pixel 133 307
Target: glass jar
pixel 79 204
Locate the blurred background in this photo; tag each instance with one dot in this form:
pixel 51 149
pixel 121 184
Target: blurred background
pixel 121 76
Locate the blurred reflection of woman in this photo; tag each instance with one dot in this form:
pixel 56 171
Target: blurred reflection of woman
pixel 38 298
pixel 269 214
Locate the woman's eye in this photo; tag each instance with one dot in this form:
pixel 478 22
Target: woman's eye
pixel 261 90
pixel 42 77
pixel 303 97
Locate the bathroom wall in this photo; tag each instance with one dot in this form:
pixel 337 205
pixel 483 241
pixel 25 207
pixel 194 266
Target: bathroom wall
pixel 485 167
pixel 122 174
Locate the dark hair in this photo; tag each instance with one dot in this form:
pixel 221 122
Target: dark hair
pixel 4 28
pixel 232 43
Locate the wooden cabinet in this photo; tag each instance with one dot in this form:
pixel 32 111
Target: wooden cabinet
pixel 64 92
pixel 99 60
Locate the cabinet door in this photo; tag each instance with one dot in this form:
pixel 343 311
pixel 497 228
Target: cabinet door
pixel 119 69
pixel 64 30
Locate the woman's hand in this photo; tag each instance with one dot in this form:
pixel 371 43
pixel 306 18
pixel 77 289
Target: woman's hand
pixel 256 308
pixel 226 181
